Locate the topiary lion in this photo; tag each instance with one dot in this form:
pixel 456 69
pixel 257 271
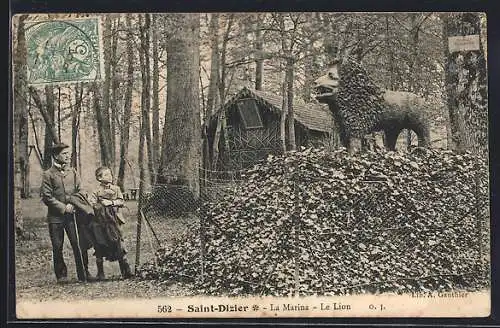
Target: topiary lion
pixel 360 107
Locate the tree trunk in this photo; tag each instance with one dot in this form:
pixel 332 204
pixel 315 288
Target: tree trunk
pixel 285 51
pixel 21 127
pixel 47 111
pixel 213 92
pixel 466 85
pixel 390 53
pixel 36 146
pixel 181 149
pixel 47 118
pixel 283 119
pixel 216 141
pixel 221 119
pixel 114 89
pixel 21 160
pixel 259 61
pixel 309 75
pixel 146 88
pixel 127 107
pixel 103 119
pixel 222 64
pixel 59 112
pixel 155 108
pixel 75 125
pixel 289 94
pixel 51 134
pixel 103 129
pixel 214 65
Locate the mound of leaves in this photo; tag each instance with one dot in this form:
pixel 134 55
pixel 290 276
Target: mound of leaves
pixel 328 223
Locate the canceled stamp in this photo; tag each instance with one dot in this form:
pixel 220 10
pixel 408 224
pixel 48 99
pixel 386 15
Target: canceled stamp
pixel 61 51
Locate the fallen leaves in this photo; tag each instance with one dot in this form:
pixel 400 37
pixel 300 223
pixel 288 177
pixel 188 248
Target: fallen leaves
pixel 317 222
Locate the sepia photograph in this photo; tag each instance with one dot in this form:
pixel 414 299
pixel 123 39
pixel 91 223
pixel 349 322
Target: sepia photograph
pixel 250 165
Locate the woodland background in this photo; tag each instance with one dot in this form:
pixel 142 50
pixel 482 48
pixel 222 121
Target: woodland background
pixel 165 74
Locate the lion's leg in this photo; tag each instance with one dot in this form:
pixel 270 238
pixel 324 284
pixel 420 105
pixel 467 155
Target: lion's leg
pixel 423 135
pixel 420 126
pixel 345 140
pixel 391 136
pixel 347 143
pixel 365 144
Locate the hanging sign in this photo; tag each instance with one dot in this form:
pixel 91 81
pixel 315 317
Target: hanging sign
pixel 463 43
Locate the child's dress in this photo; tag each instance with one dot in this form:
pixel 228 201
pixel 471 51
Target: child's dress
pixel 105 225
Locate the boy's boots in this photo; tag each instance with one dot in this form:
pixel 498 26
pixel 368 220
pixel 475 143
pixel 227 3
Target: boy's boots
pixel 85 259
pixel 125 269
pixel 100 269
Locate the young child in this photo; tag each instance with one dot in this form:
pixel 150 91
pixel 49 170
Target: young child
pixel 106 200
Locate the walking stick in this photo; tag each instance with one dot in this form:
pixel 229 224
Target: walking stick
pixel 79 266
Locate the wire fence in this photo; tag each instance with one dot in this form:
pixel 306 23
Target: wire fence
pixel 167 209
pixel 436 236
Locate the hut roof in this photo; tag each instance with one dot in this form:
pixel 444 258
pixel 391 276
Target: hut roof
pixel 312 116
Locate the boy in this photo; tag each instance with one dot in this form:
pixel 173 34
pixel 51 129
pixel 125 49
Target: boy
pixel 106 200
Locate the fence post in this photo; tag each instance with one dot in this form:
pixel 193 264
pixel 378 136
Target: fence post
pixel 140 204
pixel 139 230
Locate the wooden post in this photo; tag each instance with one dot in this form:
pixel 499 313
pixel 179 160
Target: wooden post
pixel 141 197
pixel 139 230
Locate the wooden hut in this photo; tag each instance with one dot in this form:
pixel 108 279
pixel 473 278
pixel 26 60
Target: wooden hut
pixel 247 128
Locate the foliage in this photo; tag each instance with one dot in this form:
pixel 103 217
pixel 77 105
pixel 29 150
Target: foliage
pixel 315 222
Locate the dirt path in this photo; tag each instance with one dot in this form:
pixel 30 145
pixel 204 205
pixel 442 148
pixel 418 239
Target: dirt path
pixel 35 280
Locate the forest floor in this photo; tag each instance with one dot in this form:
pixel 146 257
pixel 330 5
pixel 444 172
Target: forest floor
pixel 35 279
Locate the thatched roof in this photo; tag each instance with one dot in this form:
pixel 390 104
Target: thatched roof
pixel 312 116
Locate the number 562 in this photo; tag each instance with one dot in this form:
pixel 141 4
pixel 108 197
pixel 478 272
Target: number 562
pixel 164 308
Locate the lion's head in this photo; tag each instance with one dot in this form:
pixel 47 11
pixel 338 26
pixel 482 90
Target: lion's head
pixel 351 95
pixel 326 87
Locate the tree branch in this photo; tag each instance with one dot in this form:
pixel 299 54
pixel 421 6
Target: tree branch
pixel 46 117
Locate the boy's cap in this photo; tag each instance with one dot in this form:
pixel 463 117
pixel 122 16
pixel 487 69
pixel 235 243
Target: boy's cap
pixel 57 148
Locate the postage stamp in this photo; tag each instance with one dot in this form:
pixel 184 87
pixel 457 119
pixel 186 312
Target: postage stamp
pixel 60 51
pixel 251 165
